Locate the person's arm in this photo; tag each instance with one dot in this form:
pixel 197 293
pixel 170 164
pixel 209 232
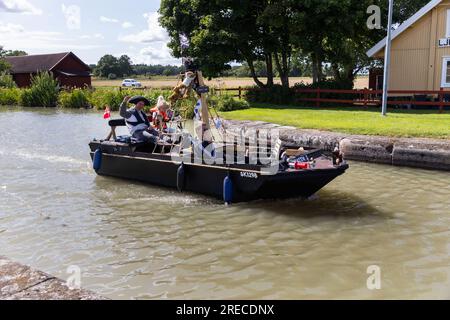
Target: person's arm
pixel 124 113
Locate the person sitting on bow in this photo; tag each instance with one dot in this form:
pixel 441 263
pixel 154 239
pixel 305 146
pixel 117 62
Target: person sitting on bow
pixel 137 121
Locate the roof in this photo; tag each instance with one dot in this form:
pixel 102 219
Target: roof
pixel 404 26
pixel 39 62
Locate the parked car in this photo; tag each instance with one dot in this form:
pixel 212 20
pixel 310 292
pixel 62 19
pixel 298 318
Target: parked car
pixel 131 83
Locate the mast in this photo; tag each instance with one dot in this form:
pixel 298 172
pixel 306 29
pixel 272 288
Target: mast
pixel 202 92
pixel 205 110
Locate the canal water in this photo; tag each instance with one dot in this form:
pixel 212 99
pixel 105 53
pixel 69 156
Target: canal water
pixel 133 241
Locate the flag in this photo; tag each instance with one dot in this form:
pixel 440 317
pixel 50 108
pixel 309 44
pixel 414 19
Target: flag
pixel 184 42
pixel 197 111
pixel 107 113
pixel 218 123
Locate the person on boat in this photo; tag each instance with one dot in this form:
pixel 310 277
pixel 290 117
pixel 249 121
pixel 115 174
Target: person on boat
pixel 160 114
pixel 137 121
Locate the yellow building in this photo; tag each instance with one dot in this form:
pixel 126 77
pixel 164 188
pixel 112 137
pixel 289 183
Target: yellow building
pixel 420 56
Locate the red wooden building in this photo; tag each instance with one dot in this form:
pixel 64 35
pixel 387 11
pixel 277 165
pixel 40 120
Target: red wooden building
pixel 66 67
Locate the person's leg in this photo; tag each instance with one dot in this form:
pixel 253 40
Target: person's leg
pixel 144 136
pixel 149 137
pixel 153 132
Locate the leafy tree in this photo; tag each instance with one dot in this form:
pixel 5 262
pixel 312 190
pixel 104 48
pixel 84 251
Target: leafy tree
pixel 4 66
pixel 124 66
pixel 220 32
pixel 107 65
pixel 15 53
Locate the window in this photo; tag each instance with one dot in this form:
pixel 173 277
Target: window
pixel 445 83
pixel 447 32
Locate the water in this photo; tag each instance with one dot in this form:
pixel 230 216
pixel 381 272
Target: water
pixel 133 241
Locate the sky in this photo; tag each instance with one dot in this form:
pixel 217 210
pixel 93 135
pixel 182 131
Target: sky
pixel 89 28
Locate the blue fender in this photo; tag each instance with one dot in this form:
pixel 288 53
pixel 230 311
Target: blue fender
pixel 181 177
pixel 97 161
pixel 228 190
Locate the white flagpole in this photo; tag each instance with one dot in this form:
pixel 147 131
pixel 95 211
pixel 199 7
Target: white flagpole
pixel 387 59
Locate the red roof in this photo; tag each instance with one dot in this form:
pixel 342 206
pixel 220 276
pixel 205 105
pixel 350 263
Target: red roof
pixel 39 62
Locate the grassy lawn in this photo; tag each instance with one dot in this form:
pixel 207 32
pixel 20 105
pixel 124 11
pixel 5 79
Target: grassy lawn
pixel 399 123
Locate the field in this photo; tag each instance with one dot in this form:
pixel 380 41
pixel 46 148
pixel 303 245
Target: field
pixel 398 123
pixel 170 82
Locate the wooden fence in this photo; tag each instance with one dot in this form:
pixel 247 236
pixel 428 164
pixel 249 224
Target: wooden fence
pixel 362 97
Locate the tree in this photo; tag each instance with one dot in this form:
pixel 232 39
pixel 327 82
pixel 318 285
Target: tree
pixel 221 32
pixel 124 66
pixel 15 53
pixel 107 65
pixel 4 66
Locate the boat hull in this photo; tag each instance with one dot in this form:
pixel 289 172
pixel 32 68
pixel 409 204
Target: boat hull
pixel 247 185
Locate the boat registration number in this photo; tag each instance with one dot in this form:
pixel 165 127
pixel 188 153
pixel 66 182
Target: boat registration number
pixel 249 175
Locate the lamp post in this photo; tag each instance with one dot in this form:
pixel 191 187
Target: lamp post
pixel 387 60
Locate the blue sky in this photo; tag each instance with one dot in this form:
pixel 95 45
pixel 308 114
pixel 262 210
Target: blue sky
pixel 89 28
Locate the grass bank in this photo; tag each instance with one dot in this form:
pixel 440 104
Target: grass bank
pixel 398 123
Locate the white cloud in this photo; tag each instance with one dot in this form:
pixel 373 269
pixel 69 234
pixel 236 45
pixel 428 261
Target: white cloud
pixel 16 37
pixel 6 28
pixel 72 14
pixel 127 25
pixel 156 53
pixel 19 6
pixel 92 36
pixel 154 32
pixel 108 20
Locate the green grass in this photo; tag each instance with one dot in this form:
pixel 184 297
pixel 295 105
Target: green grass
pixel 398 123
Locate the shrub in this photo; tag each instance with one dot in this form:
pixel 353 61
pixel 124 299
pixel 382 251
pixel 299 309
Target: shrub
pixel 113 97
pixel 228 103
pixel 107 97
pixel 43 92
pixel 276 94
pixel 10 96
pixel 326 85
pixel 112 76
pixel 6 81
pixel 76 99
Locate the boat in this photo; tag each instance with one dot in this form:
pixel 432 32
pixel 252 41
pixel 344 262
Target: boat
pixel 236 169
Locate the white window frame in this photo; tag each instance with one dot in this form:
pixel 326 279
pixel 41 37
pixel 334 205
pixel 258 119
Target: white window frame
pixel 447 29
pixel 444 83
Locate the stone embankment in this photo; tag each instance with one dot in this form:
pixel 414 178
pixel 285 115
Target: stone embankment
pixel 19 282
pixel 411 152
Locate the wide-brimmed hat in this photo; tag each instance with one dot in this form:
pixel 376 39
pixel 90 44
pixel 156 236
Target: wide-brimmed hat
pixel 137 99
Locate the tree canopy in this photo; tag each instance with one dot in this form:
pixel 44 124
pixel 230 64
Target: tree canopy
pixel 4 66
pixel 278 34
pixel 109 65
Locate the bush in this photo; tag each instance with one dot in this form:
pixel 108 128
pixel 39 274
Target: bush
pixel 112 76
pixel 6 81
pixel 113 98
pixel 228 103
pixel 10 96
pixel 326 85
pixel 276 94
pixel 43 92
pixel 76 99
pixel 107 97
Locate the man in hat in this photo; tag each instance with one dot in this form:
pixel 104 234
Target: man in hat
pixel 137 121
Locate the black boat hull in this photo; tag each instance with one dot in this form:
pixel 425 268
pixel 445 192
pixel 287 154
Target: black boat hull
pixel 247 185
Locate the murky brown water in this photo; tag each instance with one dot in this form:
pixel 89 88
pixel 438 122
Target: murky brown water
pixel 142 242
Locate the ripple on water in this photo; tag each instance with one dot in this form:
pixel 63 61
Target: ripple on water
pixel 143 242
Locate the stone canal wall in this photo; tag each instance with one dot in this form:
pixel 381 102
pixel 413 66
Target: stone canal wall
pixel 19 282
pixel 411 152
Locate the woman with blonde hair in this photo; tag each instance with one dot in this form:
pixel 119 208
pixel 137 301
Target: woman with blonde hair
pixel 159 114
